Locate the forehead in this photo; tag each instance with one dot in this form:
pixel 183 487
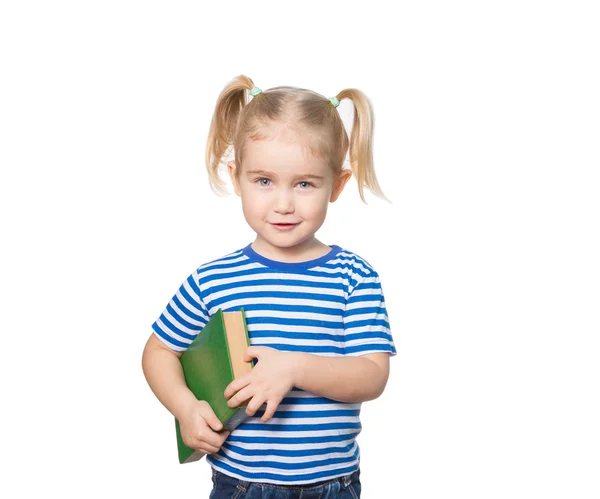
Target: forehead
pixel 281 155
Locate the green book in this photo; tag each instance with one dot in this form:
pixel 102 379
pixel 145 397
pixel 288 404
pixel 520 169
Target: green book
pixel 211 362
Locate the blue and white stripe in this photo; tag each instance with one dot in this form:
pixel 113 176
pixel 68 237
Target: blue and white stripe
pixel 330 306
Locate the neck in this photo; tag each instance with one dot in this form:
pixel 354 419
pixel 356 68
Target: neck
pixel 307 250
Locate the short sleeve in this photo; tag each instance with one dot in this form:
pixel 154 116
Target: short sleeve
pixel 366 323
pixel 184 316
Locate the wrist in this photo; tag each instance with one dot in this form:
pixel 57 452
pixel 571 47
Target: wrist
pixel 297 363
pixel 184 402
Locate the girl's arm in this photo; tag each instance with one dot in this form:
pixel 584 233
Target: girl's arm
pixel 198 423
pixel 346 379
pixel 164 374
pixel 352 378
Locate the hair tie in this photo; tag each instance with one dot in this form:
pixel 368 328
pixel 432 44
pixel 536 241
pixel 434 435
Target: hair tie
pixel 255 91
pixel 334 101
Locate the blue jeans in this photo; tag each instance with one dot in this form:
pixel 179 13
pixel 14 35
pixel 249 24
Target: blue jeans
pixel 227 487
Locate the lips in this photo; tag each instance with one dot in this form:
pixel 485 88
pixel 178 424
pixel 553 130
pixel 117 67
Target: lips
pixel 283 225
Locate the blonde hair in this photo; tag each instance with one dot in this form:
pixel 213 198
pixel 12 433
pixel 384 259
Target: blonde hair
pixel 313 118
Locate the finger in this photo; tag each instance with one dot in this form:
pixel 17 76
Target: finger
pixel 200 443
pixel 209 418
pixel 231 389
pixel 254 405
pixel 208 449
pixel 254 353
pixel 215 423
pixel 216 450
pixel 210 440
pixel 236 385
pixel 224 435
pixel 241 396
pixel 271 408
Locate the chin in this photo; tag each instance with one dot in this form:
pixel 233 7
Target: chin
pixel 281 244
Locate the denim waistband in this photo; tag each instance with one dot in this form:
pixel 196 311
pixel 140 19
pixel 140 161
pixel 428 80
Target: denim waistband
pixel 344 480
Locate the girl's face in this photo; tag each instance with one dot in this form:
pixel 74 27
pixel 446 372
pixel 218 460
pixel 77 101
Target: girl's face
pixel 280 183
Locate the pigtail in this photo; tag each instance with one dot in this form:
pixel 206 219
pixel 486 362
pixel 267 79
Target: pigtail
pixel 222 129
pixel 361 143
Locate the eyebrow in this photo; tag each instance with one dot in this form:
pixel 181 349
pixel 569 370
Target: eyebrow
pixel 271 174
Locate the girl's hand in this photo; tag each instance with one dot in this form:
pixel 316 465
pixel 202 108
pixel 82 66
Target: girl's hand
pixel 201 429
pixel 270 381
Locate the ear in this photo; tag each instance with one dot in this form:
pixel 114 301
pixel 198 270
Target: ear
pixel 340 183
pixel 231 168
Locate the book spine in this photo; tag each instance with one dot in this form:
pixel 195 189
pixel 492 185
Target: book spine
pixel 237 419
pixel 252 363
pixel 230 365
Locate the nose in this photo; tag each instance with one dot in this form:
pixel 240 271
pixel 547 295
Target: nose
pixel 284 201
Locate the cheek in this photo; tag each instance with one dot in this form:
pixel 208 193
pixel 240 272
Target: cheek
pixel 252 204
pixel 315 206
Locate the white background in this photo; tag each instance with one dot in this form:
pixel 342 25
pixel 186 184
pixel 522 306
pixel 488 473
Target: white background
pixel 486 141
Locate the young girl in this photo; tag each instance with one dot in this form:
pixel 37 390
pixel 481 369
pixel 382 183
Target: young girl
pixel 316 313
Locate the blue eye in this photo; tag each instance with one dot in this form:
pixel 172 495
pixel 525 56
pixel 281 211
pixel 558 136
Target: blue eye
pixel 260 181
pixel 308 184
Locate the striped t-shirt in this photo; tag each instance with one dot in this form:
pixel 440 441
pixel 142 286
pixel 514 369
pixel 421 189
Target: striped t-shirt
pixel 330 306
